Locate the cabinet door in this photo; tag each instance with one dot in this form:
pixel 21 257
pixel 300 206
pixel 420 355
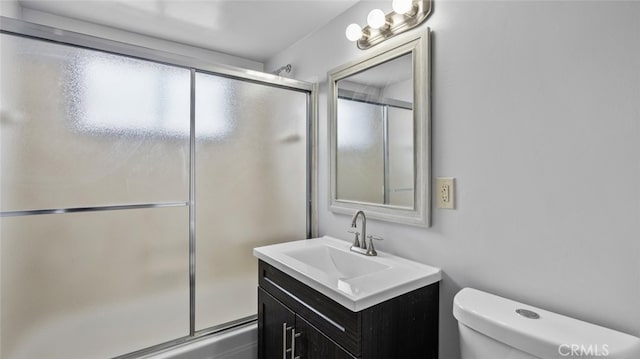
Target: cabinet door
pixel 275 322
pixel 312 344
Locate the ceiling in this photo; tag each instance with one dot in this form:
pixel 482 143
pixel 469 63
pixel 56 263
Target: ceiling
pixel 252 29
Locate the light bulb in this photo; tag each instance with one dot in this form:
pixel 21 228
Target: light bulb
pixel 376 19
pixel 402 6
pixel 353 32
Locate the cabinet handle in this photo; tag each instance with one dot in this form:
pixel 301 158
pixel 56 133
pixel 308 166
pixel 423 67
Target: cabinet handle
pixel 294 335
pixel 284 340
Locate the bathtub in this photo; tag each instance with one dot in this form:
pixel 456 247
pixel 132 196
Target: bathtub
pixel 239 343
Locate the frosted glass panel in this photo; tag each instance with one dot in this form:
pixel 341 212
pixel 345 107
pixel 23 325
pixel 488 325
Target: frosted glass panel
pixel 83 128
pixel 93 285
pixel 360 155
pixel 250 188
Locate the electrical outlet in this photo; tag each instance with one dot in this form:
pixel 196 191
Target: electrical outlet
pixel 445 192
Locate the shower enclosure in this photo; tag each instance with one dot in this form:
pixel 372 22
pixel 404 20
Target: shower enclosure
pixel 134 185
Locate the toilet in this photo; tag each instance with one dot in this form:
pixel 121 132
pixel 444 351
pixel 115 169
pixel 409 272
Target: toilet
pixel 492 327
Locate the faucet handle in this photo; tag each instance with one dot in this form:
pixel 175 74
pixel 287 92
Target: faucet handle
pixel 371 251
pixel 356 239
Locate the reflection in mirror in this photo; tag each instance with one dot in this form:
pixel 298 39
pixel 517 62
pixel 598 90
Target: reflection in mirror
pixel 379 133
pixel 375 135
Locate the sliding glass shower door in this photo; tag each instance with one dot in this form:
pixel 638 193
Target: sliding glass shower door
pixel 98 237
pixel 94 191
pixel 251 149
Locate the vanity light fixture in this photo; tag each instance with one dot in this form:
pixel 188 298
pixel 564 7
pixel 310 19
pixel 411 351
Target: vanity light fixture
pixel 406 15
pixel 353 32
pixel 376 19
pixel 403 6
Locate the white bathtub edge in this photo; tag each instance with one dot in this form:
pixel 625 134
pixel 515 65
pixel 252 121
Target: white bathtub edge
pixel 239 343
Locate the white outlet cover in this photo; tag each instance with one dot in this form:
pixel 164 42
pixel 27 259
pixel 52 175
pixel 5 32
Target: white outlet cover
pixel 445 192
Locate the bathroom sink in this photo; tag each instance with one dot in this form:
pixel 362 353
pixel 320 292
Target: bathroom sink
pixel 334 262
pixel 354 280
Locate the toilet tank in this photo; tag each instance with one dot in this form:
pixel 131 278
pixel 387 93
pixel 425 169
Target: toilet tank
pixel 491 328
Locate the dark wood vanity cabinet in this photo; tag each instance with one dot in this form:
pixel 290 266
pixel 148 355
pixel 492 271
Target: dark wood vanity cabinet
pixel 294 316
pixel 280 327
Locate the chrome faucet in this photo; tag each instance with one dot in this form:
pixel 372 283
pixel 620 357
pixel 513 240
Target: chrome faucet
pixel 360 246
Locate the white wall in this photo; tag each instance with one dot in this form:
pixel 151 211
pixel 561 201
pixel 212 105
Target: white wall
pixel 536 112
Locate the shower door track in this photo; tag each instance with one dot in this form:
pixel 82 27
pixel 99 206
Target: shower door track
pixel 200 334
pixel 42 32
pixel 46 33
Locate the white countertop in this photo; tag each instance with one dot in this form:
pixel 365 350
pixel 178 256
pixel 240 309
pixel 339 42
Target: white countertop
pixel 354 280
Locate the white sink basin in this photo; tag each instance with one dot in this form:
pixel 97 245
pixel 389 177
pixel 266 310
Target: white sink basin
pixel 335 262
pixel 351 279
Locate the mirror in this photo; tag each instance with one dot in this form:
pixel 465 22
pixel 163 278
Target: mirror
pixel 379 132
pixel 374 135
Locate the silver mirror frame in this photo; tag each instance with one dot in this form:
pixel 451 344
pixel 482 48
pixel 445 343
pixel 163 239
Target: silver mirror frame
pixel 419 46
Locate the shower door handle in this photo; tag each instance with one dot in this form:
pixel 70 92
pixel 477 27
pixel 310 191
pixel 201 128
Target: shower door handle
pixel 285 328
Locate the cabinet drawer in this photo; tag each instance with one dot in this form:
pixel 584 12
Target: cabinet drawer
pixel 339 323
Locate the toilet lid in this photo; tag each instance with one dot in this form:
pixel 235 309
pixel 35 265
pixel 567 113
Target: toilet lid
pixel 539 332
